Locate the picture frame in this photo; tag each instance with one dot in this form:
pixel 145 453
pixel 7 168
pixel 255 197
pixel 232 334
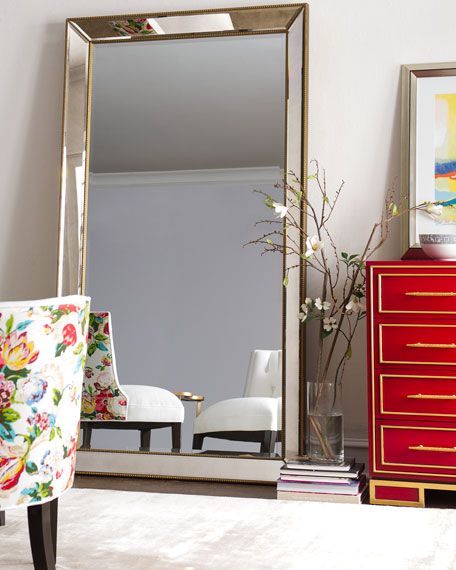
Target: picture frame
pixel 428 169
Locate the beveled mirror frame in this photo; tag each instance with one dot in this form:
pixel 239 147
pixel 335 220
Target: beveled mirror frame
pixel 292 21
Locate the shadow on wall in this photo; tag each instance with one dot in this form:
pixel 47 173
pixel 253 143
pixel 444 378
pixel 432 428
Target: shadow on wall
pixel 30 248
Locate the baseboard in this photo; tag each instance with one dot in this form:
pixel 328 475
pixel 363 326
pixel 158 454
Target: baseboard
pixel 356 442
pixel 357 447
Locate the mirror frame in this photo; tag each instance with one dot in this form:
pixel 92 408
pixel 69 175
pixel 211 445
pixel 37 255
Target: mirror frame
pixel 189 465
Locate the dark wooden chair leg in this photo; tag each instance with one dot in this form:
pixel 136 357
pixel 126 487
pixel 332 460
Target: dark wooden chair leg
pixel 176 434
pixel 42 522
pixel 198 439
pixel 54 520
pixel 2 518
pixel 86 437
pixel 145 440
pixel 269 441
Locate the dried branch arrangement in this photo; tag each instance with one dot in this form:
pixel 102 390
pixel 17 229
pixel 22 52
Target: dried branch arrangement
pixel 300 229
pixel 340 306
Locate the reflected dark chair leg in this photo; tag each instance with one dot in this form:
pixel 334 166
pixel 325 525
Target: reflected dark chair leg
pixel 176 437
pixel 198 441
pixel 145 440
pixel 42 523
pixel 269 441
pixel 2 518
pixel 86 437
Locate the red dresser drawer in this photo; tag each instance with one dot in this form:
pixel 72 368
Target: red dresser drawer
pixel 417 344
pixel 421 396
pixel 416 449
pixel 414 293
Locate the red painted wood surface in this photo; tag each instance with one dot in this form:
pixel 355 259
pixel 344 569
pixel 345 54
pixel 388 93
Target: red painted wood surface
pixel 396 493
pixel 395 443
pixel 413 291
pixel 416 319
pixel 401 396
pixel 415 253
pixel 399 344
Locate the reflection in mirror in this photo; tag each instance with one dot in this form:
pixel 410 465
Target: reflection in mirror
pixel 186 333
pixel 215 21
pixel 73 164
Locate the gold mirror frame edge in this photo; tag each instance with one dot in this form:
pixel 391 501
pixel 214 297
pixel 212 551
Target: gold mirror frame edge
pixel 301 8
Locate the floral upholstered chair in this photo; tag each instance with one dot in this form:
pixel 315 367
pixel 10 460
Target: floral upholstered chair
pixel 42 355
pixel 108 405
pixel 257 416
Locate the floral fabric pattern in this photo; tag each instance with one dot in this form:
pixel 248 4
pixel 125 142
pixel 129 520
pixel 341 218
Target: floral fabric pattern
pixel 102 397
pixel 138 27
pixel 42 357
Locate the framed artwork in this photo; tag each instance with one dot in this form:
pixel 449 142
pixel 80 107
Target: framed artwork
pixel 428 151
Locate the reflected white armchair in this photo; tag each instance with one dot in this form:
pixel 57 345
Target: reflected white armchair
pixel 257 416
pixel 108 405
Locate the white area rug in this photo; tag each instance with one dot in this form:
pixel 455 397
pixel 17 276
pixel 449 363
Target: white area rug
pixel 119 530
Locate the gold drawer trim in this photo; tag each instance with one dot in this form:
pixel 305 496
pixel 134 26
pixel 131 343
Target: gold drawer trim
pixel 424 466
pixel 418 396
pixel 421 487
pixel 414 345
pixel 415 293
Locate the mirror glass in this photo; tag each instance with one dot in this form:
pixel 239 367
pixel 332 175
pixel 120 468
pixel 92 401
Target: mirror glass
pixel 181 134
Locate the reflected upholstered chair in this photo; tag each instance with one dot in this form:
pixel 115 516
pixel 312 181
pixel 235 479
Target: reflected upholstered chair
pixel 256 417
pixel 42 355
pixel 108 405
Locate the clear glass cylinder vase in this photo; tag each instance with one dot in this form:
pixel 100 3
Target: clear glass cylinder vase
pixel 325 422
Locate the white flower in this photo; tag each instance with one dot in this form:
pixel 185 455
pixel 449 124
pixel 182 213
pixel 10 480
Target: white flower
pixel 302 316
pixel 280 209
pixel 313 245
pixel 322 306
pixel 308 301
pixel 434 209
pixel 355 305
pixel 329 324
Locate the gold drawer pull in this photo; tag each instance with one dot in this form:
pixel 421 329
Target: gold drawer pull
pixel 430 294
pixel 430 448
pixel 432 396
pixel 430 345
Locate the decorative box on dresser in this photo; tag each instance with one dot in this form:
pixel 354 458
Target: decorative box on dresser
pixel 411 380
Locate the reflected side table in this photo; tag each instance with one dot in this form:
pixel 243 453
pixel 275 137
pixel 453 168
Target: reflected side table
pixel 190 397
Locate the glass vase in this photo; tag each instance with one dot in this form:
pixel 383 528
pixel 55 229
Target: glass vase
pixel 325 422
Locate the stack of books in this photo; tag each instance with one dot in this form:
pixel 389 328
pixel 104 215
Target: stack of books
pixel 305 481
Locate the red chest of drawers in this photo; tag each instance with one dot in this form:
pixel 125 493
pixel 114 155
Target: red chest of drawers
pixel 411 379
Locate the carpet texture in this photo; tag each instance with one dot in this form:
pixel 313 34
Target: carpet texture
pixel 119 530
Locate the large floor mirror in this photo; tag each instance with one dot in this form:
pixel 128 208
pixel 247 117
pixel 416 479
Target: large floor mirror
pixel 171 122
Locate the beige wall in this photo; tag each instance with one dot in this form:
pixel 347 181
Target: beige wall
pixel 356 49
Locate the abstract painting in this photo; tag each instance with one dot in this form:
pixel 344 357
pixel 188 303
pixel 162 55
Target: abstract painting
pixel 445 149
